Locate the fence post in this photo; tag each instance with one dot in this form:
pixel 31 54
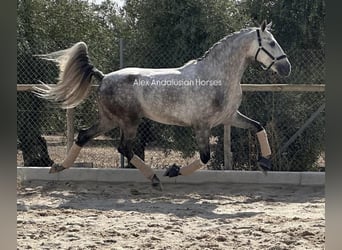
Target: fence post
pixel 122 158
pixel 70 127
pixel 227 149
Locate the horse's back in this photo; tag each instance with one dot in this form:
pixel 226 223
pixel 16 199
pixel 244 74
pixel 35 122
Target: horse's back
pixel 143 72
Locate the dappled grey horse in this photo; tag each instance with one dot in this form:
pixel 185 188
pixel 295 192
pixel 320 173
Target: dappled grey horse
pixel 201 94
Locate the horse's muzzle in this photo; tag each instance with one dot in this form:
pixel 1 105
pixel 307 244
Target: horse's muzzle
pixel 283 68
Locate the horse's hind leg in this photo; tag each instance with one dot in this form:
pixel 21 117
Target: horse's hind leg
pixel 242 121
pixel 83 137
pixel 126 148
pixel 202 138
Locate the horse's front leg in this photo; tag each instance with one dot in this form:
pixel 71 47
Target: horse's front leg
pixel 241 121
pixel 202 138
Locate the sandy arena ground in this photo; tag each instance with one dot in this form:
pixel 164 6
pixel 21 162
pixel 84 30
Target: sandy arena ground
pixel 89 215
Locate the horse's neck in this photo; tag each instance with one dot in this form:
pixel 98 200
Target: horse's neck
pixel 228 60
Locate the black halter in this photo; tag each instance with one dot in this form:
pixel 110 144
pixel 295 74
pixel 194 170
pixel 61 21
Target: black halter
pixel 267 52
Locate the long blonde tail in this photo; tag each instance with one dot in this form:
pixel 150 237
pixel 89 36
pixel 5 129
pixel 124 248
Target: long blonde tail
pixel 74 81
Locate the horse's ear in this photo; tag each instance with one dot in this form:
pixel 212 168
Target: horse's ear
pixel 269 26
pixel 263 25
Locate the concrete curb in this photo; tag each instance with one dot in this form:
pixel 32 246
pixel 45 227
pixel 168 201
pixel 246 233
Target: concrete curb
pixel 202 176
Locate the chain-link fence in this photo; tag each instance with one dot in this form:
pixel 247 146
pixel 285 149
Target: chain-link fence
pixel 294 120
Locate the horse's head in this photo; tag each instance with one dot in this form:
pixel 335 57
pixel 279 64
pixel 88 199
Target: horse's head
pixel 269 53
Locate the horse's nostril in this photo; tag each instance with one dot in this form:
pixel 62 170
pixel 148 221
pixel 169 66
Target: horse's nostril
pixel 283 69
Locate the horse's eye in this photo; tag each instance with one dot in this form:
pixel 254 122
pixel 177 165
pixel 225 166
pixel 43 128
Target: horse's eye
pixel 272 44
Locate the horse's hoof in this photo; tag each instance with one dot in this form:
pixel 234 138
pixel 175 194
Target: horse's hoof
pixel 264 164
pixel 173 171
pixel 156 184
pixel 55 168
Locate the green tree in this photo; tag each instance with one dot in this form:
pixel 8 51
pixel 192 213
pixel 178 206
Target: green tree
pixel 169 33
pixel 298 24
pixel 30 141
pixel 68 22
